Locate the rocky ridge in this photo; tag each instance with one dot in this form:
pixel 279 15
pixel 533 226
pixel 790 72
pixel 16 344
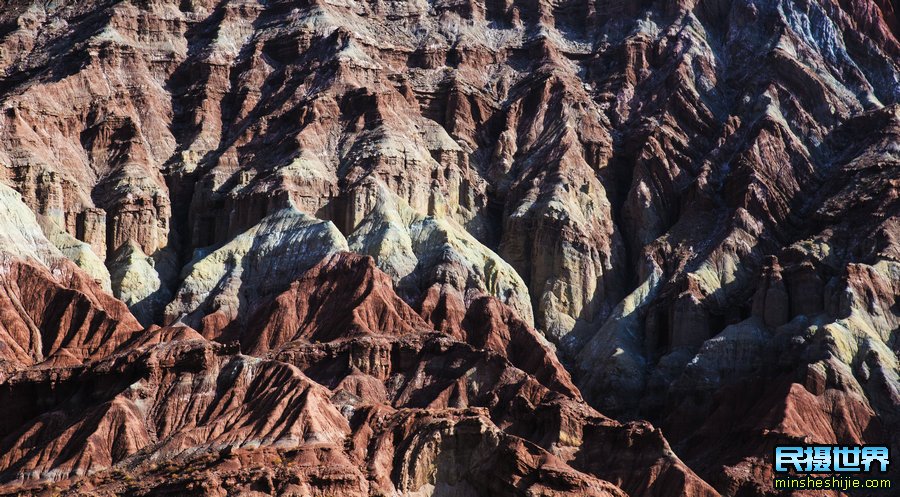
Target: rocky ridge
pixel 688 200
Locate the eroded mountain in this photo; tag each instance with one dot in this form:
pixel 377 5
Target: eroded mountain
pixel 418 247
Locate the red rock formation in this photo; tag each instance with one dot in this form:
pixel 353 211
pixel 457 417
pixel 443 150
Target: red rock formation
pixel 771 302
pixel 805 407
pixel 383 405
pixel 46 322
pixel 691 203
pixel 341 297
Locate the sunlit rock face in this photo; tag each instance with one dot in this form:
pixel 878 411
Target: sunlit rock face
pixel 408 248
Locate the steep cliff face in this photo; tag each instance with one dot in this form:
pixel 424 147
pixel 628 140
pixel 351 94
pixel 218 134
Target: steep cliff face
pixel 362 238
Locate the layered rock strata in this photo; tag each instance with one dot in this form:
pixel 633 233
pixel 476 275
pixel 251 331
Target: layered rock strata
pixel 691 204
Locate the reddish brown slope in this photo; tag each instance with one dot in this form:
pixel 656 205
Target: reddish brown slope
pixel 52 323
pixel 373 400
